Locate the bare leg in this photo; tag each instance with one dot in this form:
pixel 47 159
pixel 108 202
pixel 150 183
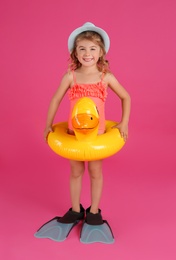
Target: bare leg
pixel 77 171
pixel 96 179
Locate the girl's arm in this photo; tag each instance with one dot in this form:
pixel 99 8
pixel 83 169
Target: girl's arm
pixel 55 102
pixel 126 104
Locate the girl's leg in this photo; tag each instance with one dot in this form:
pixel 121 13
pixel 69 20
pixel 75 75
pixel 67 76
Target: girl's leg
pixel 77 171
pixel 96 179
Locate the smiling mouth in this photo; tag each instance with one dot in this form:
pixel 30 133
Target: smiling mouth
pixel 87 59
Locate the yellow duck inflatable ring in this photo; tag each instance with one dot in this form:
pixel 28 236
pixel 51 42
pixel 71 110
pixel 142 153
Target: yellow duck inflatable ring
pixel 86 144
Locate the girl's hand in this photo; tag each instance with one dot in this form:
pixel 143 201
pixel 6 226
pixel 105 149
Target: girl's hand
pixel 123 128
pixel 47 131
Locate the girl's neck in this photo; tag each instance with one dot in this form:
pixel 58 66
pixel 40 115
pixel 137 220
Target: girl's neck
pixel 88 70
pixel 88 75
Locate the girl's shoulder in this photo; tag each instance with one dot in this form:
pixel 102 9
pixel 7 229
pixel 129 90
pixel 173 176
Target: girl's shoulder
pixel 108 77
pixel 68 77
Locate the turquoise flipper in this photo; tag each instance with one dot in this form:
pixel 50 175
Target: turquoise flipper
pixel 55 230
pixel 59 228
pixel 97 233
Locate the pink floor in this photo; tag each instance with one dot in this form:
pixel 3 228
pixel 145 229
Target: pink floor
pixel 139 182
pixel 138 201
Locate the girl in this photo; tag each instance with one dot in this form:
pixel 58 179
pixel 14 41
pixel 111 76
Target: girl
pixel 88 76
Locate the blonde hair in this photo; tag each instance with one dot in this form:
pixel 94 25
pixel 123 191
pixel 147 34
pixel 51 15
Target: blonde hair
pixel 102 64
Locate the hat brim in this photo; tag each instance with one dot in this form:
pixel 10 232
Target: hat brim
pixel 85 28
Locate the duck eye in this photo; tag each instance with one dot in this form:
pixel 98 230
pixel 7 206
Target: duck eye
pixel 91 118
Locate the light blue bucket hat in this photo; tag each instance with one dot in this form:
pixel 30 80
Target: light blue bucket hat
pixel 88 27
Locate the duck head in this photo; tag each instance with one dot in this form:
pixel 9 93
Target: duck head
pixel 85 119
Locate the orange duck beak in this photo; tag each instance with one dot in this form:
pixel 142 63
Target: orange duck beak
pixel 85 123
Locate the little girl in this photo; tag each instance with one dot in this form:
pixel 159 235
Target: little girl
pixel 89 76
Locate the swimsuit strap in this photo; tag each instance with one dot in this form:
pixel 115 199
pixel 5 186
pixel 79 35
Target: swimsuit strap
pixel 102 77
pixel 74 77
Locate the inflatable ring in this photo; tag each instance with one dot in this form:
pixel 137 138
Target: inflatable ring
pixel 86 144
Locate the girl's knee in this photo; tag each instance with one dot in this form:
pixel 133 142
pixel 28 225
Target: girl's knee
pixel 77 168
pixel 95 169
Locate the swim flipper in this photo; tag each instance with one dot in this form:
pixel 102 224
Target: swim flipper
pixel 59 228
pixel 95 229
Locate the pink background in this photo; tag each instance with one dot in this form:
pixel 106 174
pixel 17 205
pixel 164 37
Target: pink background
pixel 139 182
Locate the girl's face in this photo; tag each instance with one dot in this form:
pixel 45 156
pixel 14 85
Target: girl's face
pixel 88 52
